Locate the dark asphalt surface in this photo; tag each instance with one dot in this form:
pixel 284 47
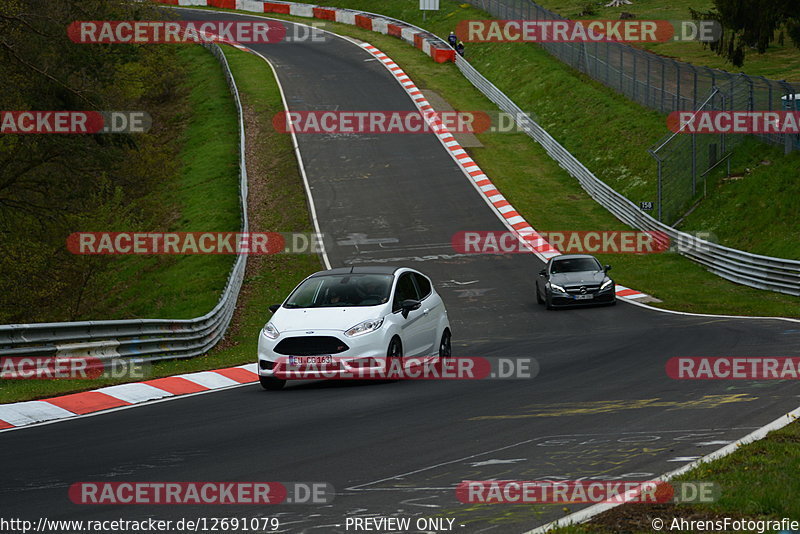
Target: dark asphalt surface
pixel 600 406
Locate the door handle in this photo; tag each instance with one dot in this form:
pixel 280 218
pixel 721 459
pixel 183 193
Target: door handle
pixel 425 311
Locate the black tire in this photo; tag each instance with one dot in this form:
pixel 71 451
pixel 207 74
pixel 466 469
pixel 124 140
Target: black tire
pixel 271 383
pixel 548 303
pixel 445 348
pixel 539 299
pixel 394 355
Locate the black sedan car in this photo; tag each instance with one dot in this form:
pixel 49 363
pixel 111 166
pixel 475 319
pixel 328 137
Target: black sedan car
pixel 574 279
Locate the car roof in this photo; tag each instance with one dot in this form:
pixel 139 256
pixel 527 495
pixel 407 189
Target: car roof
pixel 366 269
pixel 571 256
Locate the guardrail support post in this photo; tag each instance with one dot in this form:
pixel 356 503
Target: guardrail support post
pixel 659 191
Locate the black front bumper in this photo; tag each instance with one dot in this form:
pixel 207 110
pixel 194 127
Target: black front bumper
pixel 601 297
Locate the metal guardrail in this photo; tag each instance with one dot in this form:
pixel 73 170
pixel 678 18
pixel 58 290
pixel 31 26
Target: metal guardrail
pixel 754 270
pixel 432 38
pixel 142 339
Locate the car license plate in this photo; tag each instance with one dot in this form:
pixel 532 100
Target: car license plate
pixel 584 297
pixel 310 360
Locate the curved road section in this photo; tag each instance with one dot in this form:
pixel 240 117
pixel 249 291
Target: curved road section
pixel 601 405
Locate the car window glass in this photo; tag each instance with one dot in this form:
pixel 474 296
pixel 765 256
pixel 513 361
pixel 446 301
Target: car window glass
pixel 423 284
pixel 307 294
pixel 405 290
pixel 575 265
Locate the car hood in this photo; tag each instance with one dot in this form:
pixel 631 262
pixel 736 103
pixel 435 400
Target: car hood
pixel 307 319
pixel 584 277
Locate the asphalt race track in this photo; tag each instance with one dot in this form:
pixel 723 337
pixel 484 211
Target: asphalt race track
pixel 601 405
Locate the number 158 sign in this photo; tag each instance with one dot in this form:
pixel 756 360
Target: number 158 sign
pixel 429 5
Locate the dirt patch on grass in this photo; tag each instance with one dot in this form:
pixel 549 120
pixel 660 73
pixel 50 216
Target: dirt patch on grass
pixel 638 517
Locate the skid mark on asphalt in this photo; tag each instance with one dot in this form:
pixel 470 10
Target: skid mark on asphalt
pixel 705 402
pixel 559 457
pixel 363 246
pixel 429 491
pixel 611 456
pixel 406 259
pixel 754 385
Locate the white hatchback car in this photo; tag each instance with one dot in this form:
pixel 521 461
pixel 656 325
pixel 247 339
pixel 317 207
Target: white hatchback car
pixel 362 316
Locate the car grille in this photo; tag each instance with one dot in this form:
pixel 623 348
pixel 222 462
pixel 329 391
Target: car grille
pixel 310 346
pixel 588 288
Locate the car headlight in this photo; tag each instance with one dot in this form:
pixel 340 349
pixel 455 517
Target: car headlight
pixel 556 287
pixel 606 284
pixel 364 328
pixel 269 331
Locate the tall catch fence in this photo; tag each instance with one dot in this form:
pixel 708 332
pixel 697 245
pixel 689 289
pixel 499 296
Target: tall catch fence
pixel 684 161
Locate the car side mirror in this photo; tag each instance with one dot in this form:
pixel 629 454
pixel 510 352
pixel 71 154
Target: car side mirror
pixel 274 308
pixel 543 272
pixel 409 305
pixel 607 268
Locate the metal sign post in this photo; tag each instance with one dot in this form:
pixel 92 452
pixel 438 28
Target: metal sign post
pixel 428 5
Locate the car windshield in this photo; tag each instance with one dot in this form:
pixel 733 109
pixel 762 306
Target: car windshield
pixel 340 290
pixel 575 265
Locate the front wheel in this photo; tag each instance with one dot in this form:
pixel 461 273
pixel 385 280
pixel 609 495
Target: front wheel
pixel 394 357
pixel 539 299
pixel 271 383
pixel 445 349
